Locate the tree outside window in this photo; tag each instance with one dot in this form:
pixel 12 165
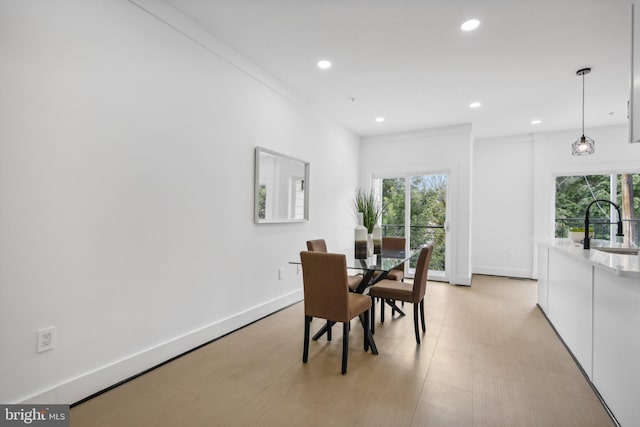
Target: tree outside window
pixel 574 193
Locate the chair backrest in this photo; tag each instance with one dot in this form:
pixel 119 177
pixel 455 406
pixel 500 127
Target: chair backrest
pixel 398 243
pixel 318 245
pixel 326 287
pixel 420 278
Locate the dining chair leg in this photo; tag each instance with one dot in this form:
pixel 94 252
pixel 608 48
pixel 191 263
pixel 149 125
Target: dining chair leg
pixel 424 328
pixel 382 310
pixel 373 315
pixel 415 321
pixel 307 326
pixel 365 325
pixel 345 346
pixel 329 325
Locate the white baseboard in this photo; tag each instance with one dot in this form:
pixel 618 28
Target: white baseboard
pixel 506 272
pixel 461 280
pixel 89 383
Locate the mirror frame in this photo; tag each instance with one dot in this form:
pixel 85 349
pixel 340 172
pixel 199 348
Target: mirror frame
pixel 256 188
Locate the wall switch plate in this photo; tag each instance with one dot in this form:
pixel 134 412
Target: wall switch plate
pixel 281 273
pixel 298 269
pixel 46 339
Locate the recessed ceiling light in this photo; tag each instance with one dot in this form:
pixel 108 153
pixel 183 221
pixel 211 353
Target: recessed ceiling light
pixel 536 122
pixel 470 25
pixel 324 64
pixel 475 105
pixel 379 119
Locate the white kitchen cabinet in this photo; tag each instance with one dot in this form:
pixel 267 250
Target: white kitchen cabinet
pixel 569 304
pixel 616 344
pixel 593 301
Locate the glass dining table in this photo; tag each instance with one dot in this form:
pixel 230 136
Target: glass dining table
pixel 373 269
pixel 377 266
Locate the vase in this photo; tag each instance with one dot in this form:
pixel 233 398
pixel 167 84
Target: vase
pixel 377 239
pixel 578 236
pixel 360 236
pixel 369 245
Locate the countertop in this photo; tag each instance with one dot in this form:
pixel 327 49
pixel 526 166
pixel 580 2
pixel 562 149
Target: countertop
pixel 619 264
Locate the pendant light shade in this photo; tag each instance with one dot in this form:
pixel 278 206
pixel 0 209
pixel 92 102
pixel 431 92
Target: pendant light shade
pixel 584 145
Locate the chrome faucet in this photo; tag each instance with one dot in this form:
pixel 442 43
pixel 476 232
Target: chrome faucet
pixel 586 240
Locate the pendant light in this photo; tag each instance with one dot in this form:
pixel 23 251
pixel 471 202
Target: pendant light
pixel 584 145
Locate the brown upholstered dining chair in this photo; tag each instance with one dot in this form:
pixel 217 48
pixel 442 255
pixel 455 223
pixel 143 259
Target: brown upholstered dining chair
pixel 327 296
pixel 319 245
pixel 396 243
pixel 391 290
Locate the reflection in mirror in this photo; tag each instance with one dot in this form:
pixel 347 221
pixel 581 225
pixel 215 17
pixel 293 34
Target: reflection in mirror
pixel 281 188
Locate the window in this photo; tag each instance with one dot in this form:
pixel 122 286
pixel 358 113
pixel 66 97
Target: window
pixel 574 193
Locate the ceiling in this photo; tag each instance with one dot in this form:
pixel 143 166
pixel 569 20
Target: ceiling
pixel 409 61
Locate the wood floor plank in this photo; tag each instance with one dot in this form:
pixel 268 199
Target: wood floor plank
pixel 488 358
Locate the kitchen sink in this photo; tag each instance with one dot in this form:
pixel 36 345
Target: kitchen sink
pixel 622 251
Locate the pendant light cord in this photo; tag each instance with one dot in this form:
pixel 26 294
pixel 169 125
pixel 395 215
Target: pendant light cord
pixel 582 104
pixel 583 145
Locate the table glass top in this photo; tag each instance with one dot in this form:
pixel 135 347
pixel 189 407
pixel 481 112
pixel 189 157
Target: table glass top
pixel 387 260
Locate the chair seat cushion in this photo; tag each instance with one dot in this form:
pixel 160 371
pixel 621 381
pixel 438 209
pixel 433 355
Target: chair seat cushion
pixel 358 303
pixel 391 275
pixel 354 281
pixel 397 275
pixel 392 289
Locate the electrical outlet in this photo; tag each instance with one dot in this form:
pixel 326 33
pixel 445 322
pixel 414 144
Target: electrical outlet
pixel 298 269
pixel 46 339
pixel 281 273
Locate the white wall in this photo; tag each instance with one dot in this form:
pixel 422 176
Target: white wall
pixel 443 149
pixel 502 206
pixel 126 192
pixel 514 190
pixel 552 157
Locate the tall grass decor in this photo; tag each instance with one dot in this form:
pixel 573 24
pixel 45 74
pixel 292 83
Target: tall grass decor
pixel 365 202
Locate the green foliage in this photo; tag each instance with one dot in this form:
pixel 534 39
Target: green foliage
pixel 575 193
pixel 262 201
pixel 393 197
pixel 365 202
pixel 579 229
pixel 428 209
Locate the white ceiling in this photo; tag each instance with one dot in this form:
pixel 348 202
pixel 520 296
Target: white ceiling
pixel 408 60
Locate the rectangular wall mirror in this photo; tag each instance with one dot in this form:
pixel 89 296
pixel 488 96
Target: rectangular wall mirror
pixel 281 188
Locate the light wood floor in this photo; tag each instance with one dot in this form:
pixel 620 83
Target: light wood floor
pixel 488 358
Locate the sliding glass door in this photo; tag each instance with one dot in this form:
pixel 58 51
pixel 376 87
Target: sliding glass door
pixel 415 207
pixel 393 196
